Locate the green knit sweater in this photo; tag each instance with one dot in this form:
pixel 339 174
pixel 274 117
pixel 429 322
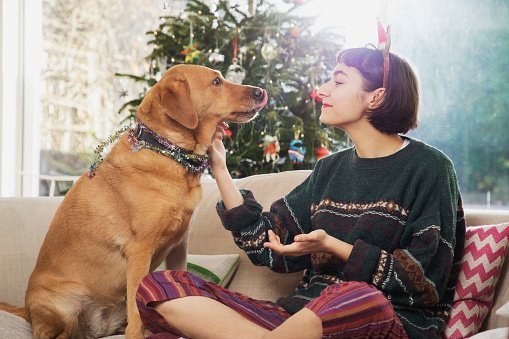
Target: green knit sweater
pixel 402 214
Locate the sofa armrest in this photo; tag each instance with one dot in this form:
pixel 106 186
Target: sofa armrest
pixel 23 225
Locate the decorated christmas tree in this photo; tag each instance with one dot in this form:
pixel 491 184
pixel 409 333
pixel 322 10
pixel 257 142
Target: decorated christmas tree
pixel 260 46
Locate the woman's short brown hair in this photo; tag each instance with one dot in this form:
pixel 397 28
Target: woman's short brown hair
pixel 398 111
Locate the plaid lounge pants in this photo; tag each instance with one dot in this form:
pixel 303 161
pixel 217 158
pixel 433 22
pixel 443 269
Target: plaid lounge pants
pixel 348 309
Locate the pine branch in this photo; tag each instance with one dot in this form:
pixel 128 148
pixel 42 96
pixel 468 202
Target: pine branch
pixel 130 104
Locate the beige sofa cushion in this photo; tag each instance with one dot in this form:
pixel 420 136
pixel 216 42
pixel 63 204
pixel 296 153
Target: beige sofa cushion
pixel 22 229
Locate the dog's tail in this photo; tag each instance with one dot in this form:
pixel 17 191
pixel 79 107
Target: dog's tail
pixel 19 311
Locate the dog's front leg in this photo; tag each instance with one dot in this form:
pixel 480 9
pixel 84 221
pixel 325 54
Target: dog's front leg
pixel 138 265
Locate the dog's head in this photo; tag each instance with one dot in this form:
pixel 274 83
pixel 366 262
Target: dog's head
pixel 189 94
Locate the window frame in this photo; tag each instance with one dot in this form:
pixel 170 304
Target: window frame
pixel 20 55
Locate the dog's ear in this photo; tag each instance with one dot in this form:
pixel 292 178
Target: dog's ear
pixel 176 101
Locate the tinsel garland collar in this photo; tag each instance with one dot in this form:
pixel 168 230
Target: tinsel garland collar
pixel 141 137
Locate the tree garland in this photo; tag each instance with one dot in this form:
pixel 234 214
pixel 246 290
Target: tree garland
pixel 100 149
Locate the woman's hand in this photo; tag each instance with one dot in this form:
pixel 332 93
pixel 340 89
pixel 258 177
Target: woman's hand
pixel 303 244
pixel 217 151
pixel 229 192
pixel 315 241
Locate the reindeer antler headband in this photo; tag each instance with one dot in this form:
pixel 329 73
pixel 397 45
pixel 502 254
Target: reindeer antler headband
pixel 384 44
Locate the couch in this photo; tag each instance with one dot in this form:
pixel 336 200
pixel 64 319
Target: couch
pixel 24 221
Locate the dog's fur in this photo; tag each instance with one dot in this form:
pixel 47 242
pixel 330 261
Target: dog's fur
pixel 111 230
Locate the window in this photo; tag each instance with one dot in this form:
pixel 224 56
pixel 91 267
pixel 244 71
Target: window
pixel 67 53
pixel 460 50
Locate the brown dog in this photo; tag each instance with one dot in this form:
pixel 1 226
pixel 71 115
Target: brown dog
pixel 113 229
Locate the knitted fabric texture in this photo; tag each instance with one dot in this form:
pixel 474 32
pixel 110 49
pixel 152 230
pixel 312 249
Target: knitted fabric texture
pixel 402 214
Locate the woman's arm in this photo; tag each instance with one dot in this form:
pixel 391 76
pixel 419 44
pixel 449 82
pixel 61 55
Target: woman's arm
pixel 229 192
pixel 242 215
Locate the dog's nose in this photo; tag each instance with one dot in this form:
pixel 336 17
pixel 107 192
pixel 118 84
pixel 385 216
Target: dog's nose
pixel 258 93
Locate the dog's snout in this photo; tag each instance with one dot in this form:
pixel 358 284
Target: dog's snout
pixel 258 93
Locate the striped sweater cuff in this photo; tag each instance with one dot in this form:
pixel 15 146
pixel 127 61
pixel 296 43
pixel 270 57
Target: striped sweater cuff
pixel 241 216
pixel 362 262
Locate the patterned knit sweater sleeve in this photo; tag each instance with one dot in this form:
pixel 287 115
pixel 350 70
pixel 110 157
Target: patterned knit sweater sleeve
pixel 420 273
pixel 288 217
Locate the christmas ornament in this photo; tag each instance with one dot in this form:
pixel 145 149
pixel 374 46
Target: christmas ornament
pixel 288 88
pixel 314 95
pixel 216 57
pixel 270 50
pixel 296 151
pixel 235 72
pixel 294 31
pixel 271 148
pixel 321 152
pixel 191 53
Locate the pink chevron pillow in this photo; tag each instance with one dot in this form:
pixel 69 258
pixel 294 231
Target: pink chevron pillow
pixel 483 256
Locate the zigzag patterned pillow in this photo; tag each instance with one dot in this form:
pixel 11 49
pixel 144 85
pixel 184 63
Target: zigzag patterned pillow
pixel 483 257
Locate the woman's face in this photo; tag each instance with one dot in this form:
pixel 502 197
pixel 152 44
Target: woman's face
pixel 344 99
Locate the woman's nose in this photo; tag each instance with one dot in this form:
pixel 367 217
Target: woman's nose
pixel 322 91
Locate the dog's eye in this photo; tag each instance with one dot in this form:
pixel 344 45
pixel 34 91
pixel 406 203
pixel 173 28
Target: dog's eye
pixel 217 81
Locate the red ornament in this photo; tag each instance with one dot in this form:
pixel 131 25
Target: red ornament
pixel 228 132
pixel 321 152
pixel 294 31
pixel 271 148
pixel 314 95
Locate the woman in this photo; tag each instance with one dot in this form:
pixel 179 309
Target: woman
pixel 378 228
